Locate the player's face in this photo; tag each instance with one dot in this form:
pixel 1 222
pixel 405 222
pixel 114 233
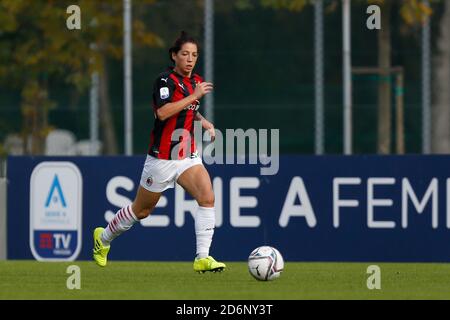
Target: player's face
pixel 186 58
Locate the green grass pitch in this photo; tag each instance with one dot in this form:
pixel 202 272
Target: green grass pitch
pixel 177 281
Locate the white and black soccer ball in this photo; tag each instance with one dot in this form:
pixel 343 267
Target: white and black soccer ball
pixel 265 263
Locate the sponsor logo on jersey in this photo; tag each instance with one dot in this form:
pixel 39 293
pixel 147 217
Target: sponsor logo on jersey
pixel 194 106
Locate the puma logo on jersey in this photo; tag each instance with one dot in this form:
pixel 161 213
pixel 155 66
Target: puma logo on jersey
pixel 181 85
pixel 164 79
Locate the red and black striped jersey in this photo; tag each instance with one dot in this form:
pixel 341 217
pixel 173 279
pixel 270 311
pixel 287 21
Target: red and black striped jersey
pixel 169 139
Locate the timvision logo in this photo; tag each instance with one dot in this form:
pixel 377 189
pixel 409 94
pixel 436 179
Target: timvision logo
pixel 55 211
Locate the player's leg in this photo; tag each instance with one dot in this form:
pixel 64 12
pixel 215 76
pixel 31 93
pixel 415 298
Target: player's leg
pixel 196 181
pixel 145 202
pixel 153 182
pixel 123 220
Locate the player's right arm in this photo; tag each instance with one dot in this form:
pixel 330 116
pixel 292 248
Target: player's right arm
pixel 166 109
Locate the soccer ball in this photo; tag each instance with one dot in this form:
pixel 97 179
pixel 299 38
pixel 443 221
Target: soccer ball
pixel 265 263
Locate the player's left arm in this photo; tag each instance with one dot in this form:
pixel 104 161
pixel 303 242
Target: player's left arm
pixel 206 125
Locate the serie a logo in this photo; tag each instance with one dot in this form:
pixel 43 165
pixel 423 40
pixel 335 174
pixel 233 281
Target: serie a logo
pixel 55 211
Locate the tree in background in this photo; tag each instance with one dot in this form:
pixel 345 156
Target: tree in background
pixel 413 12
pixel 36 47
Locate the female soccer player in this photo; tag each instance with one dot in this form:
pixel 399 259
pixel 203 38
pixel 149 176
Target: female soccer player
pixel 172 157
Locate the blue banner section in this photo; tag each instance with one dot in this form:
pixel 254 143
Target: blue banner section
pixel 328 208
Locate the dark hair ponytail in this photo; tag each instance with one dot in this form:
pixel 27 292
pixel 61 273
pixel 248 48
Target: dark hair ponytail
pixel 182 39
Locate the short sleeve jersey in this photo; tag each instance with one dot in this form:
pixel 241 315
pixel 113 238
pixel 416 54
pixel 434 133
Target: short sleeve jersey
pixel 173 138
